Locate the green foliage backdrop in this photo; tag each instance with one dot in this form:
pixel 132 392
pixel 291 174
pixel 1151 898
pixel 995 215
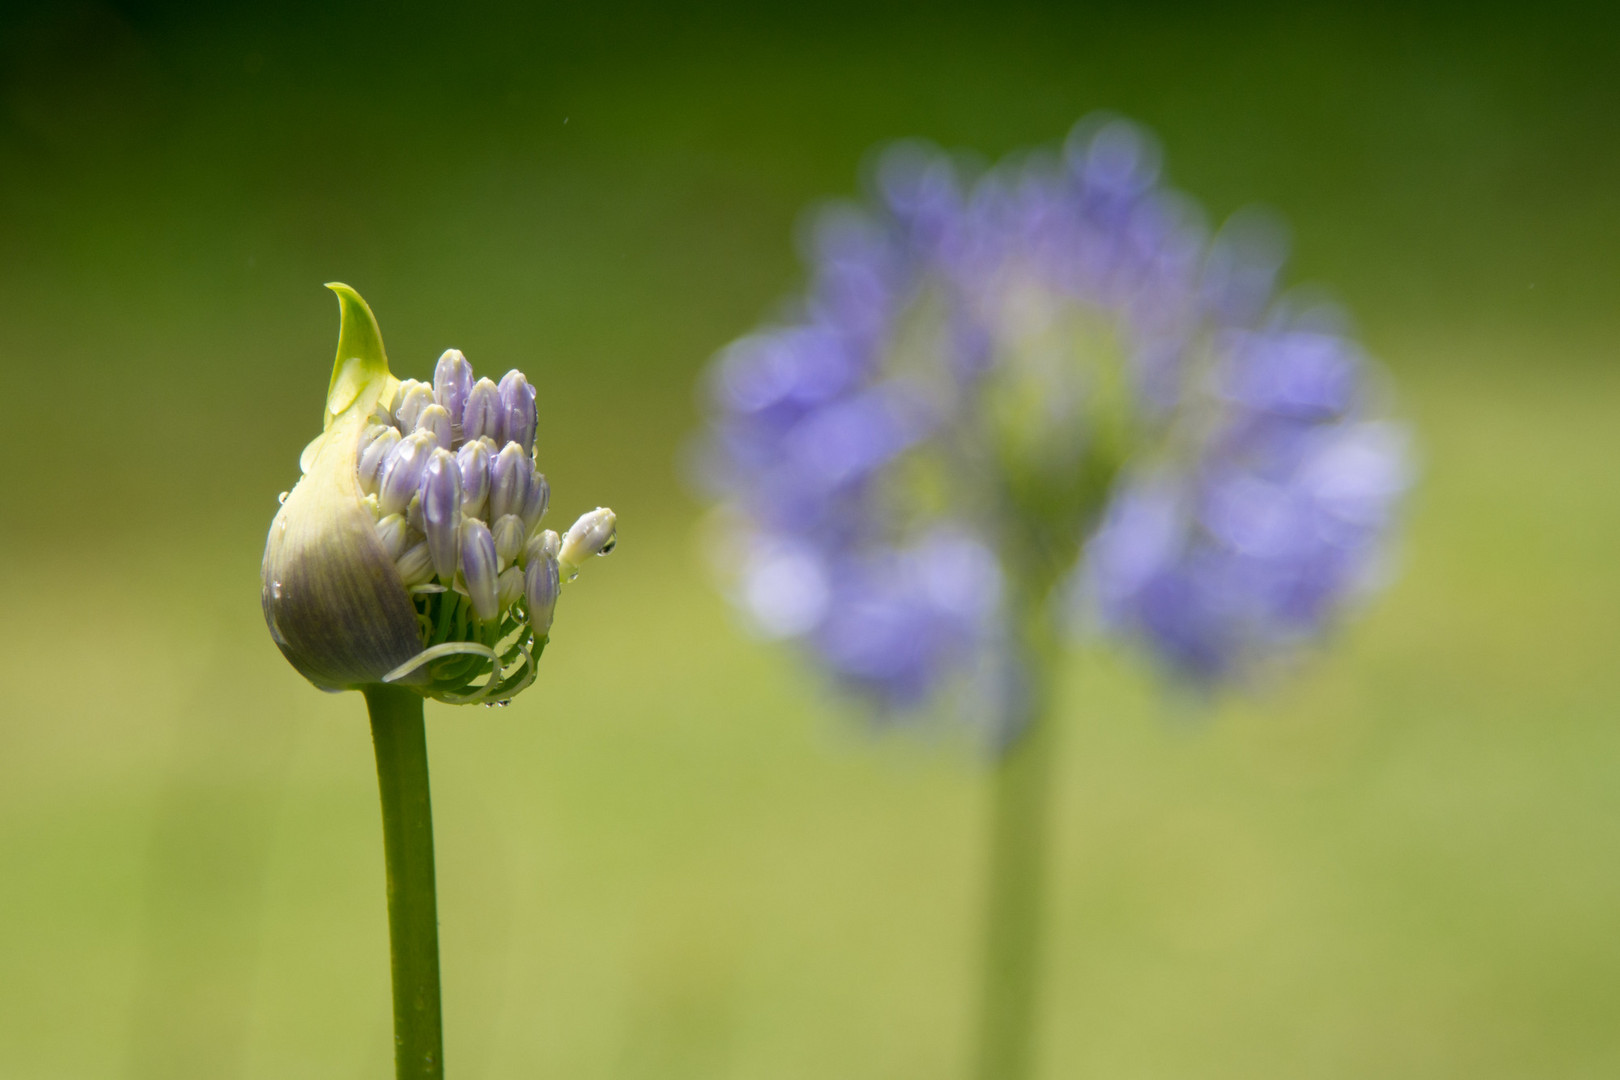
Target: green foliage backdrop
pixel 677 857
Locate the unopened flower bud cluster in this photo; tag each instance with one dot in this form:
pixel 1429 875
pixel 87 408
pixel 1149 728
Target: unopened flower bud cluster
pixel 448 471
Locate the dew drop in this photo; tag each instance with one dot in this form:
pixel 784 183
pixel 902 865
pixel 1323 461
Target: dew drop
pixel 613 542
pixel 282 498
pixel 275 589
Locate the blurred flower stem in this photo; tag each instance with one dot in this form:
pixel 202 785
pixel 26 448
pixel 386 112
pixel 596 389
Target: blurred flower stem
pixel 1021 796
pixel 400 737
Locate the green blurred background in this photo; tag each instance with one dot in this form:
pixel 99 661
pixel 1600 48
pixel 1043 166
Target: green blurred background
pixel 678 856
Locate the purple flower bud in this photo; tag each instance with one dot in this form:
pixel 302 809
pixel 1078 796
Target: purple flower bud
pixel 372 433
pixel 372 458
pixel 481 417
pixel 394 533
pixel 510 587
pixel 509 477
pixel 452 382
pixel 518 416
pixel 441 511
pixel 474 460
pixel 480 568
pixel 416 565
pixel 544 544
pixel 536 501
pixel 402 472
pixel 435 420
pixel 541 583
pixel 413 398
pixel 509 534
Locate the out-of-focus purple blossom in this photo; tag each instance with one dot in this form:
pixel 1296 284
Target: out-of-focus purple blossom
pixel 1052 357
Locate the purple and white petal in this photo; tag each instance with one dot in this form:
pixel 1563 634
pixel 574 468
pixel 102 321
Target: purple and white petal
pixel 416 565
pixel 413 398
pixel 452 382
pixel 372 458
pixel 509 535
pixel 402 472
pixel 541 584
pixel 543 544
pixel 481 417
pixel 536 501
pixel 480 570
pixel 441 511
pixel 474 461
pixel 509 478
pixel 394 533
pixel 518 415
pixel 435 420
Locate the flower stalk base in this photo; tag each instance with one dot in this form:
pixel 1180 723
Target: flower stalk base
pixel 400 738
pixel 1020 815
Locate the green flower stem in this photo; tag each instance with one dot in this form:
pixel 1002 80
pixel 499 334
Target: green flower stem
pixel 400 737
pixel 1021 796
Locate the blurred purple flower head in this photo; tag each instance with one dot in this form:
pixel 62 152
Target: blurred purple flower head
pixel 1050 380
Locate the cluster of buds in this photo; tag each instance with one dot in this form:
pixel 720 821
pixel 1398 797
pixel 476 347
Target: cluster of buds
pixel 421 502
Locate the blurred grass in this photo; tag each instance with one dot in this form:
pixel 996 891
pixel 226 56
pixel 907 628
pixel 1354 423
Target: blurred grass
pixel 676 857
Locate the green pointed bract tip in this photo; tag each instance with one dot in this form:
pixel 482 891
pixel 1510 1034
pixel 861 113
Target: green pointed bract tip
pixel 368 577
pixel 360 374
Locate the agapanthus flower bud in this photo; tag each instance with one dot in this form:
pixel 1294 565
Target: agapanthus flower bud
pixel 372 457
pixel 518 416
pixel 412 398
pixel 594 533
pixel 473 459
pixel 480 568
pixel 394 534
pixel 381 566
pixel 509 536
pixel 373 432
pixel 402 472
pixel 435 421
pixel 536 501
pixel 481 418
pixel 441 510
pixel 541 584
pixel 510 586
pixel 452 382
pixel 416 565
pixel 543 544
pixel 510 475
